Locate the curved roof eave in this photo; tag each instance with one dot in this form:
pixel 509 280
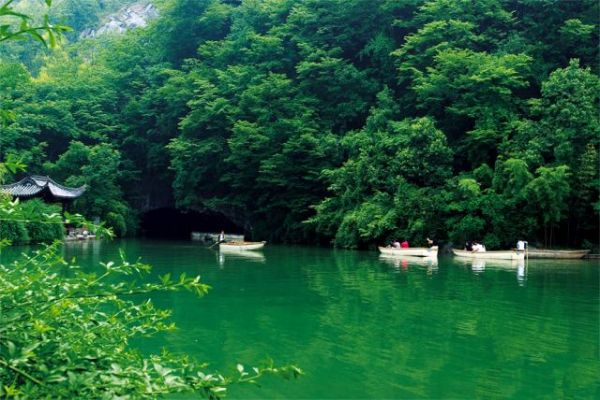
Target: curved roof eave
pixel 34 184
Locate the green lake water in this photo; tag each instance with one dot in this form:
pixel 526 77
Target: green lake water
pixel 365 327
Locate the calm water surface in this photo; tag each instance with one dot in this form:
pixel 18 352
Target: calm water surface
pixel 365 327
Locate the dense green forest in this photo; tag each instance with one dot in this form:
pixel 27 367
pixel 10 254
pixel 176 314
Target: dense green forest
pixel 317 121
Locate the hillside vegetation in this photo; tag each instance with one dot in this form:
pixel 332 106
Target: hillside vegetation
pixel 312 121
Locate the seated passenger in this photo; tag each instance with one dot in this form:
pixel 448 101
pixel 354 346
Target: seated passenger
pixel 396 244
pixel 478 247
pixel 404 244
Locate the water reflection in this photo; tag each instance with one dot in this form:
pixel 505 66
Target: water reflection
pixel 478 266
pixel 236 255
pixel 403 262
pixel 348 318
pixel 521 273
pixel 88 250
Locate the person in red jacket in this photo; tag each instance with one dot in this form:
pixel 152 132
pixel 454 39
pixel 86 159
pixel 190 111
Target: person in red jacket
pixel 404 244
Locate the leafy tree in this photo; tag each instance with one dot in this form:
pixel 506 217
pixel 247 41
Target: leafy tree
pixel 97 167
pixel 489 16
pixel 568 113
pixel 375 187
pixel 347 25
pixel 38 230
pixel 326 77
pixel 550 191
pixel 548 34
pixel 190 19
pixel 12 75
pixel 78 15
pixel 14 232
pixel 24 29
pixel 478 86
pixel 586 200
pixel 465 220
pixel 266 103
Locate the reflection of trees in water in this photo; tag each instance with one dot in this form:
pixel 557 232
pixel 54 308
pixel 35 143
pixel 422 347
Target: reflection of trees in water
pixel 365 329
pixel 490 323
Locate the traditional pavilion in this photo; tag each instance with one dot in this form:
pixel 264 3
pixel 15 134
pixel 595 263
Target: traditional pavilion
pixel 42 187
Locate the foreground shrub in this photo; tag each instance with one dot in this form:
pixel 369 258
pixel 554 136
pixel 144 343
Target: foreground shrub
pixel 64 333
pixel 14 232
pixel 42 231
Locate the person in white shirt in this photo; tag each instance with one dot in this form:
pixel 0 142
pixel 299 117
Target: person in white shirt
pixel 478 247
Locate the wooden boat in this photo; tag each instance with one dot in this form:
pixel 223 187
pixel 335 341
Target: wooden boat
pixel 241 246
pixel 566 254
pixel 411 251
pixel 491 255
pixel 74 238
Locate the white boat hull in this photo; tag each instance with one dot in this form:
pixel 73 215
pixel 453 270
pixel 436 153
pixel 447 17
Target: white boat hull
pixel 491 255
pixel 241 246
pixel 561 254
pixel 410 252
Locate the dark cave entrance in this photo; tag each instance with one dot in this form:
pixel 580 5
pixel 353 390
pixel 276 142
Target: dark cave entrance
pixel 170 223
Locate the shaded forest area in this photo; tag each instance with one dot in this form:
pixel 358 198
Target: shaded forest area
pixel 318 121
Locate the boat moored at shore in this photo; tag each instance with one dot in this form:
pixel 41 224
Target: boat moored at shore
pixel 405 261
pixel 560 254
pixel 491 255
pixel 241 246
pixel 410 251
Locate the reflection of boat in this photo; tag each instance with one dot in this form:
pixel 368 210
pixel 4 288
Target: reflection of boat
pixel 521 273
pixel 241 246
pixel 479 264
pixel 491 255
pixel 410 252
pixel 505 264
pixel 404 262
pixel 240 255
pixel 397 261
pixel 566 254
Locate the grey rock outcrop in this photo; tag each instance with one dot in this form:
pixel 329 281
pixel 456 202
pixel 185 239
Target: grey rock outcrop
pixel 133 16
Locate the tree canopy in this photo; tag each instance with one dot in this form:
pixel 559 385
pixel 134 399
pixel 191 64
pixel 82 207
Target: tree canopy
pixel 344 121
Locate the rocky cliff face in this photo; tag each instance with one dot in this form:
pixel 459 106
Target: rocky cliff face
pixel 133 16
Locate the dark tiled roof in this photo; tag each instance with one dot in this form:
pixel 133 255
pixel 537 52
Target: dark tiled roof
pixel 35 184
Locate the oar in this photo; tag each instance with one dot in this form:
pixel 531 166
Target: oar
pixel 212 245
